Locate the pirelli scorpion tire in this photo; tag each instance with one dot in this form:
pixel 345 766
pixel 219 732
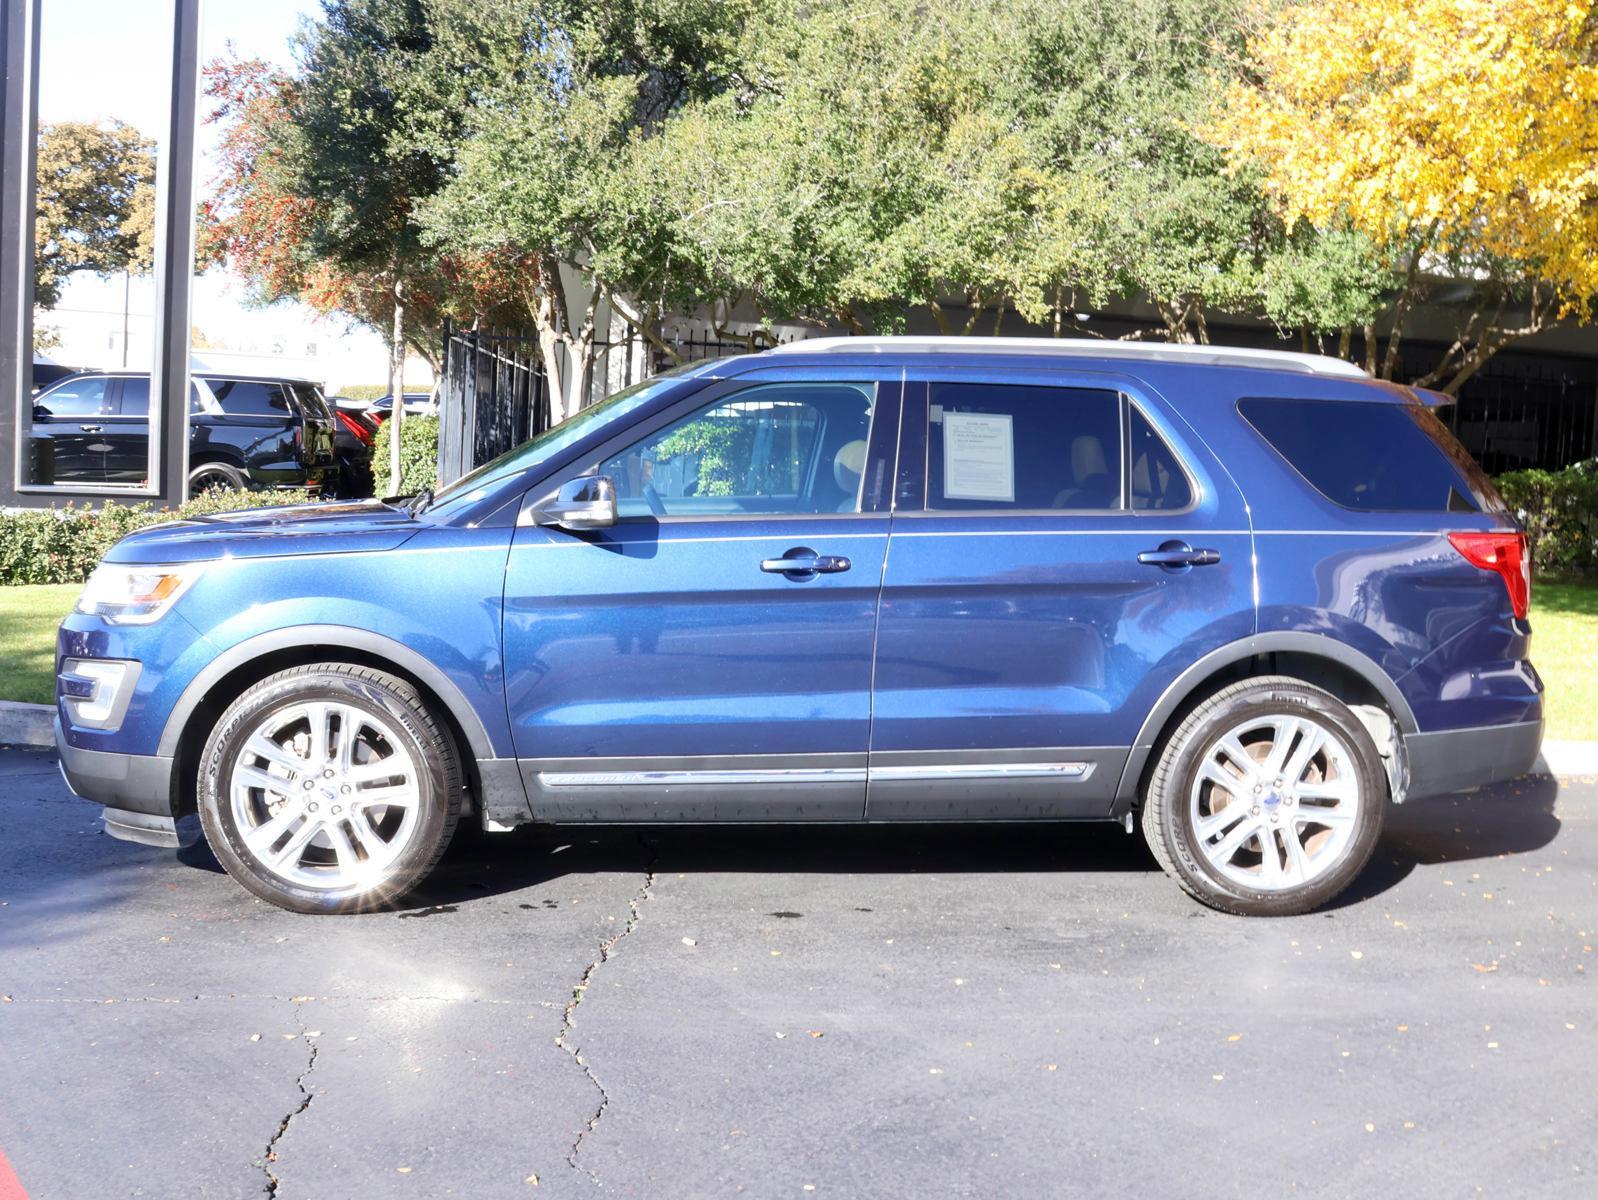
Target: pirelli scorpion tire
pixel 1267 800
pixel 329 788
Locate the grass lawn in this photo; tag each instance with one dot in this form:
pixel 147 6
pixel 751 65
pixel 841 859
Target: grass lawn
pixel 28 617
pixel 1564 647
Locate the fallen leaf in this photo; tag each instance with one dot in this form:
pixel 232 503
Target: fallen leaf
pixel 1493 966
pixel 1356 953
pixel 1234 1037
pixel 403 1170
pixel 531 1180
pixel 815 1033
pixel 255 1037
pixel 1369 1128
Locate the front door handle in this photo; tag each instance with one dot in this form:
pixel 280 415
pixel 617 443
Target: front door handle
pixel 91 428
pixel 1174 556
pixel 804 563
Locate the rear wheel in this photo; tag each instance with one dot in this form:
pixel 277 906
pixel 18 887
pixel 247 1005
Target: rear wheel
pixel 329 788
pixel 215 477
pixel 1267 800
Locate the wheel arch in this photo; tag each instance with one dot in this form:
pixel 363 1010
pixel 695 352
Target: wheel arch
pixel 227 676
pixel 1351 675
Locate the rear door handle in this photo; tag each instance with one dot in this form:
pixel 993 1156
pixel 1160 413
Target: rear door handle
pixel 804 563
pixel 1173 556
pixel 91 428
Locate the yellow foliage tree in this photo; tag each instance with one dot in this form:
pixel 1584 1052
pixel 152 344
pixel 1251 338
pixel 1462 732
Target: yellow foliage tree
pixel 1459 136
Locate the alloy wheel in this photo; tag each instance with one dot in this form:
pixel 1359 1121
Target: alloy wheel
pixel 1275 802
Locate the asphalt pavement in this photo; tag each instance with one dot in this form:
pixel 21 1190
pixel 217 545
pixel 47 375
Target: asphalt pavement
pixel 991 1011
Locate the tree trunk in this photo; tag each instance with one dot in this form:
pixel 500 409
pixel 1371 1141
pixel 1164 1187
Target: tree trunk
pixel 396 386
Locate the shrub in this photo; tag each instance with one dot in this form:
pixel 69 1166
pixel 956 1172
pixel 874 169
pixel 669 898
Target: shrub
pixel 418 456
pixel 62 545
pixel 363 391
pixel 1560 509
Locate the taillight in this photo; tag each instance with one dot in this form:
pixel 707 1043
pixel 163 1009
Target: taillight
pixel 360 432
pixel 1504 553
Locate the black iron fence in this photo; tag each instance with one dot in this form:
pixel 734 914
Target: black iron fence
pixel 494 394
pixel 1525 411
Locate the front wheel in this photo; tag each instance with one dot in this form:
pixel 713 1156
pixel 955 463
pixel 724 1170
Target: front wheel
pixel 329 788
pixel 1267 800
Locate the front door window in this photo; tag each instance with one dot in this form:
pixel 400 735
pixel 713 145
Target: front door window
pixel 765 451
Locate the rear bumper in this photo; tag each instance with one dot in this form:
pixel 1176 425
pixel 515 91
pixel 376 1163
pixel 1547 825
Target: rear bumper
pixel 1457 760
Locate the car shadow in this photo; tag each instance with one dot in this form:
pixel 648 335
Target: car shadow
pixel 1510 818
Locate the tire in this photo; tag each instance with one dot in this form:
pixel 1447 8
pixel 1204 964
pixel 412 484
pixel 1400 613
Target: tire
pixel 1332 806
pixel 215 476
pixel 323 841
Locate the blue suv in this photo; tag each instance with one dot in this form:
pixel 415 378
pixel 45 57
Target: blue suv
pixel 1246 598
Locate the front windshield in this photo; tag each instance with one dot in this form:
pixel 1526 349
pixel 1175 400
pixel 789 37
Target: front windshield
pixel 477 484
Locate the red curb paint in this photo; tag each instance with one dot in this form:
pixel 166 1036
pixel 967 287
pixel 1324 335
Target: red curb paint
pixel 10 1185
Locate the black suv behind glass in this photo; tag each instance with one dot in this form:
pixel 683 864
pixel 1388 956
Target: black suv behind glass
pixel 254 431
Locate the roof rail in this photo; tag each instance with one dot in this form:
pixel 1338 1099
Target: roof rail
pixel 1220 356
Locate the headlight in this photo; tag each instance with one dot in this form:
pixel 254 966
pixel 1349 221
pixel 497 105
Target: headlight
pixel 135 595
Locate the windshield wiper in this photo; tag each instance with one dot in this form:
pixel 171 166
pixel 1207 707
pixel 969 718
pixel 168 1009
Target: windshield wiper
pixel 419 502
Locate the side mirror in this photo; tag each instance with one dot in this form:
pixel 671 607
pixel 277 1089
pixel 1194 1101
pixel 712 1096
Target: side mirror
pixel 587 502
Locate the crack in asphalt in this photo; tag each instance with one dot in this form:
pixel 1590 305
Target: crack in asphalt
pixel 306 1096
pixel 568 1021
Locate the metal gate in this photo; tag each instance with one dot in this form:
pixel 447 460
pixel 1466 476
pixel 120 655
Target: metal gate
pixel 491 398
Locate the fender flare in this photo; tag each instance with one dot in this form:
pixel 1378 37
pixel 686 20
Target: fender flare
pixel 1282 641
pixel 334 636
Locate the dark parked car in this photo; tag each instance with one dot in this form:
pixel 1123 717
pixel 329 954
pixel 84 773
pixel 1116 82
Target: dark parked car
pixel 1250 599
pixel 267 432
pixel 353 433
pixel 417 404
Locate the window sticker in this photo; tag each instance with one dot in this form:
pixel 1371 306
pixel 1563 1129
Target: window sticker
pixel 978 456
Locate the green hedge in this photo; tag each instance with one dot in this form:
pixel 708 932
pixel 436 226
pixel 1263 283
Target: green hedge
pixel 1560 509
pixel 363 391
pixel 418 456
pixel 62 545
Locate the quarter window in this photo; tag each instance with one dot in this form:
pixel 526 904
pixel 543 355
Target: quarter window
pixel 1373 456
pixel 1015 447
pixel 782 448
pixel 1158 482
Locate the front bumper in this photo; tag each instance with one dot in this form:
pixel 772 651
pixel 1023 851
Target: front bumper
pixel 1457 760
pixel 136 790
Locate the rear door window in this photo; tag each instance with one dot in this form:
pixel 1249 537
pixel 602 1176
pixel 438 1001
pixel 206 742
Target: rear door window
pixel 1372 456
pixel 250 398
pixel 1017 447
pixel 135 400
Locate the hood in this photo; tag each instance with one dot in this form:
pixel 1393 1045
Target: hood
pixel 266 532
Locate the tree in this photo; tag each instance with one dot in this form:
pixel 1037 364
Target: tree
pixel 95 206
pixel 320 172
pixel 1030 155
pixel 560 92
pixel 1457 138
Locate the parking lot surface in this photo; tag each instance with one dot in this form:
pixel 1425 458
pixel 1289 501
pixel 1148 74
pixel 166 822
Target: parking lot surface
pixel 911 1011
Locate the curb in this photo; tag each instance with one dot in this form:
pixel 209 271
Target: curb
pixel 26 724
pixel 1567 758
